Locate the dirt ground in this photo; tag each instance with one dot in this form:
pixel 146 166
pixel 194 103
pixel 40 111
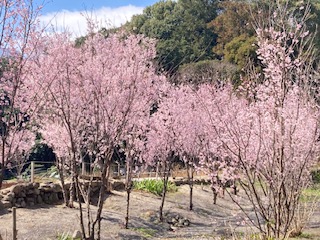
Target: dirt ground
pixel 207 221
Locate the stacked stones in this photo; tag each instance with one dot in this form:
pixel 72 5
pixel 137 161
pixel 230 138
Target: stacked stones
pixel 29 194
pixel 177 222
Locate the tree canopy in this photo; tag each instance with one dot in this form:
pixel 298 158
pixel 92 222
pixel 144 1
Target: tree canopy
pixel 181 30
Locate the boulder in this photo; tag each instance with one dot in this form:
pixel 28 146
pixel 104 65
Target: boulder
pixel 178 222
pixel 186 222
pixel 35 185
pixel 45 187
pixel 5 191
pixel 30 191
pixel 56 188
pixel 16 189
pixel 29 200
pixel 36 191
pixel 9 197
pixel 6 204
pixel 21 194
pixel 117 185
pixel 55 197
pixel 23 204
pixel 39 199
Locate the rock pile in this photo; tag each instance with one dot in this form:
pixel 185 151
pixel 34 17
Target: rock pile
pixel 177 221
pixel 30 194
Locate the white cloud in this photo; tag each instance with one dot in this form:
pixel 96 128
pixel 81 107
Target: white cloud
pixel 75 21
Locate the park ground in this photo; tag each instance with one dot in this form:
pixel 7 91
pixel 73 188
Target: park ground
pixel 207 221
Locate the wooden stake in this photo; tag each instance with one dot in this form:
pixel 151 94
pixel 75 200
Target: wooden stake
pixel 14 228
pixel 32 171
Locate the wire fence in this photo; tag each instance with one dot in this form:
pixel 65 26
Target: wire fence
pixel 22 171
pixel 44 170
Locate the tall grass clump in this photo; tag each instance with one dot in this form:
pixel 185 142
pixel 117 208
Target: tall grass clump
pixel 153 186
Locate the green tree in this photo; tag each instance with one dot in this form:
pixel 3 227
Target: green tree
pixel 235 19
pixel 240 49
pixel 208 71
pixel 181 30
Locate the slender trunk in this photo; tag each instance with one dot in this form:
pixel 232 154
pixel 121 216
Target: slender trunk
pixel 164 191
pixel 190 171
pixel 88 206
pixel 71 192
pixel 1 174
pixel 128 188
pixel 63 185
pixel 128 206
pixel 89 218
pixel 80 206
pixel 215 194
pixel 104 181
pixel 235 190
pixel 2 162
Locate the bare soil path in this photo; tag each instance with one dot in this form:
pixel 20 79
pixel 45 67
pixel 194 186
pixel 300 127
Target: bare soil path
pixel 207 221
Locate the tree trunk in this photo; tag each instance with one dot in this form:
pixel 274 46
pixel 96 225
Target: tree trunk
pixel 190 171
pixel 104 181
pixel 77 186
pixel 2 162
pixel 128 189
pixel 71 192
pixel 60 168
pixel 128 206
pixel 164 191
pixel 215 194
pixel 1 174
pixel 235 190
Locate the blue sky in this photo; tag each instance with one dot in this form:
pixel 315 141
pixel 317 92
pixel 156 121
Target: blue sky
pixel 69 14
pixel 78 5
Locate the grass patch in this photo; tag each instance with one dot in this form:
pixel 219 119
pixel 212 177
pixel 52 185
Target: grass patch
pixel 154 186
pixel 66 236
pixel 304 236
pixel 146 232
pixel 311 193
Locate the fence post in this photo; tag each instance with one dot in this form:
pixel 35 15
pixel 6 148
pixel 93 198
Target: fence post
pixel 83 166
pixel 14 228
pixel 32 171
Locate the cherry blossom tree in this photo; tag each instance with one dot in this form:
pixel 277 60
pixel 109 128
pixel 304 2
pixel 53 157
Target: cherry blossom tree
pixel 219 104
pixel 97 92
pixel 19 148
pixel 272 137
pixel 132 145
pixel 54 135
pixel 20 36
pixel 56 69
pixel 134 137
pixel 190 130
pixel 174 135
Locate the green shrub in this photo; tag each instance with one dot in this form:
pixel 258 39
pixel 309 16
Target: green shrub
pixel 153 186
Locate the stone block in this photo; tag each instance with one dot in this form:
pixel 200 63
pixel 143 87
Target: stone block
pixel 6 204
pixel 39 199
